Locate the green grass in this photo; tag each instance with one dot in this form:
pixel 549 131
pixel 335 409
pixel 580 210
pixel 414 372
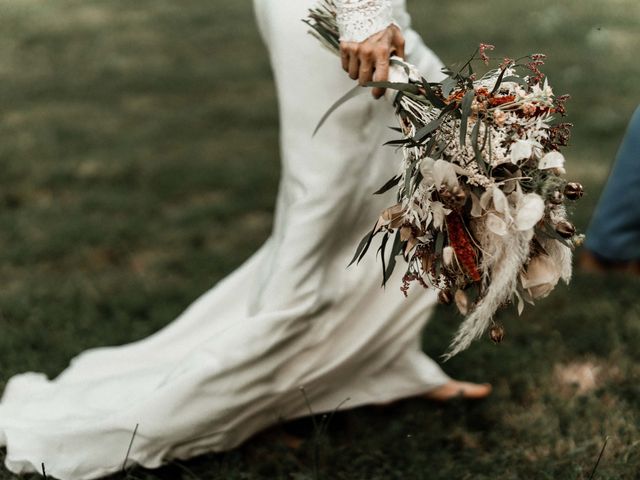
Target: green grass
pixel 128 187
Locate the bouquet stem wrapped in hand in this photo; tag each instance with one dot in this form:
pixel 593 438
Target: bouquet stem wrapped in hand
pixel 480 212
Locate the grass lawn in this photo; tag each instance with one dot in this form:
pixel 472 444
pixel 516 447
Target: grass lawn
pixel 130 185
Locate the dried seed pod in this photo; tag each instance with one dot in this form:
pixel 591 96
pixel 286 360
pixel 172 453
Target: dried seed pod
pixel 446 196
pixel 496 333
pixel 447 256
pixel 574 191
pixel 462 302
pixel 445 297
pixel 556 198
pixel 455 197
pixel 565 229
pixel 459 196
pixel 427 262
pixel 578 240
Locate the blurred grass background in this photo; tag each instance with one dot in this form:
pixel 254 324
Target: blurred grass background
pixel 129 186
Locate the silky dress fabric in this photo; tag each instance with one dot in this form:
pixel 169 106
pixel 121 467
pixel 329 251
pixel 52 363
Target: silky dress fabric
pixel 614 232
pixel 292 325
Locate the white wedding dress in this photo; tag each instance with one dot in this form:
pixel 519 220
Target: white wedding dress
pixel 292 317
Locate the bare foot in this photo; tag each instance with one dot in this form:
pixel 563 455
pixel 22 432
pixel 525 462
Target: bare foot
pixel 455 389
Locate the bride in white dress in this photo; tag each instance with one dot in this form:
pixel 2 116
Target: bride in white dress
pixel 292 317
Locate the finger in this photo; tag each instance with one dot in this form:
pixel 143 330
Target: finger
pixel 354 66
pixel 398 43
pixel 344 57
pixel 381 75
pixel 382 70
pixel 366 71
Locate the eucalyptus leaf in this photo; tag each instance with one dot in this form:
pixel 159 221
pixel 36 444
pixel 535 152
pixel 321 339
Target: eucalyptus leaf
pixel 448 85
pixel 399 86
pixel 487 129
pixel 467 101
pixel 381 250
pixel 474 140
pixel 388 186
pixel 437 267
pixel 439 243
pixel 416 98
pixel 363 246
pixel 474 136
pixel 427 129
pixel 417 179
pixel 354 92
pixel 448 109
pixel 398 142
pixel 498 81
pixel 432 97
pixel 442 146
pixel 407 177
pixel 395 250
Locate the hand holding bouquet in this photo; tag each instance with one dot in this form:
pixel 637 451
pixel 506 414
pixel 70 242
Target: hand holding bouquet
pixel 480 212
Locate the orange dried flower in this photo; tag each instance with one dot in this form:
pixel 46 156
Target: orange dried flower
pixel 461 243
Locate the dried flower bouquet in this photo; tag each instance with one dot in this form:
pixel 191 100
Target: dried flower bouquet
pixel 480 213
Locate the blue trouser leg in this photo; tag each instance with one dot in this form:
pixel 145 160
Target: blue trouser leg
pixel 614 232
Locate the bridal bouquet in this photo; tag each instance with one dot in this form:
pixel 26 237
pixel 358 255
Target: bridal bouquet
pixel 480 213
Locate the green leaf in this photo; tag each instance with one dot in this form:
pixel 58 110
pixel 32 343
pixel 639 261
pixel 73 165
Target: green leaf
pixel 407 177
pixel 427 129
pixel 432 97
pixel 487 130
pixel 474 139
pixel 467 101
pixel 448 109
pixel 363 246
pixel 354 92
pixel 498 81
pixel 474 136
pixel 416 98
pixel 417 179
pixel 438 267
pixel 395 250
pixel 388 186
pixel 400 87
pixel 439 243
pixel 442 146
pixel 400 141
pixel 448 85
pixel 430 146
pixel 490 151
pixel 381 250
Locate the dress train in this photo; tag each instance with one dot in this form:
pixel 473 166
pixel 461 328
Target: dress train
pixel 292 325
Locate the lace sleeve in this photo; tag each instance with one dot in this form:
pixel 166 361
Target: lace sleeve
pixel 359 19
